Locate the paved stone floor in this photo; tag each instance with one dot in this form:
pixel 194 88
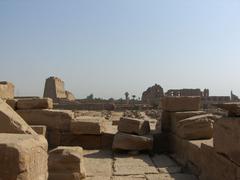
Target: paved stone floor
pixel 106 165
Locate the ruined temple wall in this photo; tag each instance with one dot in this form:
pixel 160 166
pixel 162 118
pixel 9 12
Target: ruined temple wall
pixel 6 90
pixel 54 88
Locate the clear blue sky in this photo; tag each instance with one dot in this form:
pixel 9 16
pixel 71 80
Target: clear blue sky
pixel 107 47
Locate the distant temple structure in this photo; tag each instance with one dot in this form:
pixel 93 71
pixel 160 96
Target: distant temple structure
pixel 153 95
pixel 54 88
pixel 207 101
pixel 6 90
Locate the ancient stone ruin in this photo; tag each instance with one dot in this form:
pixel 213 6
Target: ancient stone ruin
pixel 176 140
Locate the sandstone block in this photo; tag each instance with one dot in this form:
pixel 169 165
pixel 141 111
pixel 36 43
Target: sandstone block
pixel 23 157
pixel 11 122
pixel 53 119
pixel 196 127
pixel 35 103
pixel 215 166
pixel 87 125
pixel 226 138
pixel 181 103
pixel 66 161
pixel 132 142
pixel 133 126
pixel 12 103
pixel 40 130
pixel 177 116
pixel 233 108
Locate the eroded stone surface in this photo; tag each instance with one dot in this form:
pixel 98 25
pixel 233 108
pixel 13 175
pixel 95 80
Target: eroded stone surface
pixel 35 103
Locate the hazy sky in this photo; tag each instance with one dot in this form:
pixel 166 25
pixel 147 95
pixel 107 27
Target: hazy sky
pixel 108 47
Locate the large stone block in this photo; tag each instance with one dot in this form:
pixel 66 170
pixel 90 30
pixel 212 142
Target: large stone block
pixel 133 126
pixel 40 129
pixel 35 103
pixel 66 162
pixel 23 157
pixel 181 103
pixel 12 103
pixel 6 90
pixel 217 167
pixel 53 119
pixel 177 116
pixel 196 127
pixel 226 138
pixel 87 125
pixel 132 142
pixel 11 122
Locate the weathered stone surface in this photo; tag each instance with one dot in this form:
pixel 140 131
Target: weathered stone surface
pixel 132 142
pixel 40 129
pixel 83 140
pixel 153 95
pixel 87 125
pixel 226 138
pixel 11 122
pixel 6 90
pixel 130 177
pixel 215 166
pixel 196 127
pixel 233 108
pixel 181 103
pixel 54 89
pixel 98 163
pixel 133 126
pixel 162 161
pixel 35 103
pixel 133 165
pixel 177 116
pixel 24 157
pixel 165 122
pixel 177 176
pixel 70 96
pixel 12 103
pixel 68 161
pixel 53 119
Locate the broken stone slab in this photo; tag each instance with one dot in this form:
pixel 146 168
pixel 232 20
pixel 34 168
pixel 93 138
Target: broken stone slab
pixel 125 141
pixel 233 108
pixel 181 103
pixel 217 166
pixel 53 119
pixel 177 116
pixel 68 161
pixel 35 103
pixel 40 129
pixel 87 125
pixel 196 127
pixel 11 122
pixel 24 157
pixel 226 138
pixel 133 126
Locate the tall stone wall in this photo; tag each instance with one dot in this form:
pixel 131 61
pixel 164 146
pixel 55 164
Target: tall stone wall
pixel 6 90
pixel 54 88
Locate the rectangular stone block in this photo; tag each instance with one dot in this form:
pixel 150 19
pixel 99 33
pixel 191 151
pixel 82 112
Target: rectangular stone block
pixel 177 116
pixel 53 119
pixel 35 103
pixel 215 166
pixel 125 141
pixel 181 103
pixel 226 138
pixel 133 126
pixel 11 122
pixel 87 125
pixel 40 129
pixel 23 157
pixel 85 141
pixel 12 103
pixel 196 127
pixel 66 161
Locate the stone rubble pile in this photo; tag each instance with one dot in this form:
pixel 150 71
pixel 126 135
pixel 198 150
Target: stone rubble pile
pixel 133 134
